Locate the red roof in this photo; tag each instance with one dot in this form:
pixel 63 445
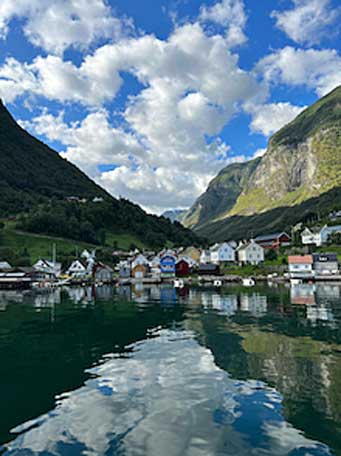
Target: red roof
pixel 300 259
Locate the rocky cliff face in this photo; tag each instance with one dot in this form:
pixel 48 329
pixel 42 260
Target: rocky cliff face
pixel 303 161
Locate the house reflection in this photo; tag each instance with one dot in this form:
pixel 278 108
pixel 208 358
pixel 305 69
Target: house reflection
pixel 319 301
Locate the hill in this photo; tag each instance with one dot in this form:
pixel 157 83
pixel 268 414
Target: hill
pixel 299 176
pixel 36 185
pixel 175 215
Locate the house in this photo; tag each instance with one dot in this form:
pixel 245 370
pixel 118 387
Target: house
pixel 208 269
pixel 139 271
pixel 50 269
pixel 103 273
pixel 250 253
pixel 139 259
pixel 15 279
pixel 222 253
pixel 182 267
pixel 79 270
pixel 325 263
pixel 4 266
pixel 168 264
pixel 97 199
pixel 273 241
pixel 303 294
pixel 205 257
pixel 318 236
pixel 125 271
pixel 300 266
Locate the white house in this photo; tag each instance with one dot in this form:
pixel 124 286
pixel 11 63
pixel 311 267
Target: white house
pixel 139 260
pixel 48 268
pixel 222 253
pixel 300 265
pixel 250 253
pixel 79 269
pixel 205 257
pixel 318 236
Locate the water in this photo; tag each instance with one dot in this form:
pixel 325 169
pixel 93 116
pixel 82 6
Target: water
pixel 152 371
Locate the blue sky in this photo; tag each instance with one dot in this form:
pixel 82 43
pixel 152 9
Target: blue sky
pixel 152 98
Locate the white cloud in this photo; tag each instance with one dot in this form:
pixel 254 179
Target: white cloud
pixel 58 24
pixel 316 69
pixel 269 118
pixel 91 142
pixel 259 153
pixel 308 22
pixel 231 15
pixel 191 87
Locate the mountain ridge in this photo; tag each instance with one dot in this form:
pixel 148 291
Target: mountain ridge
pixel 302 162
pixel 36 183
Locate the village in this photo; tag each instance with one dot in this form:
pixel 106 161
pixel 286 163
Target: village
pixel 244 261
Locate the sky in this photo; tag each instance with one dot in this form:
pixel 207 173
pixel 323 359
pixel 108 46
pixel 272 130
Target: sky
pixel 152 98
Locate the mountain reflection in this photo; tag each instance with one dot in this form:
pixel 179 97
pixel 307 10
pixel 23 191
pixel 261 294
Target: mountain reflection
pixel 168 397
pixel 150 370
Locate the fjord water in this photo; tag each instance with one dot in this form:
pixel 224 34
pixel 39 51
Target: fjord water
pixel 152 371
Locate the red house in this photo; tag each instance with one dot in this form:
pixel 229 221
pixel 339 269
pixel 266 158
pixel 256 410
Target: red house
pixel 273 241
pixel 182 268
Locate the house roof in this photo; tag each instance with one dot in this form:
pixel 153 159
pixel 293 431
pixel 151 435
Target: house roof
pixel 324 257
pixel 269 237
pixel 313 229
pixel 247 244
pixel 300 259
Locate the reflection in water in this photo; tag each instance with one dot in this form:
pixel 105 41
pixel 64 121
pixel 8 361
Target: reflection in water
pixel 231 371
pixel 167 398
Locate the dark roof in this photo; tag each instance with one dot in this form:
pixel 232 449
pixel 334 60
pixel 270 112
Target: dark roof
pixel 208 267
pixel 269 237
pixel 324 257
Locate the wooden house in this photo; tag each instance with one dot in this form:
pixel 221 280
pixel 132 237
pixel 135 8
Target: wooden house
pixel 325 263
pixel 168 264
pixel 103 273
pixel 182 268
pixel 250 253
pixel 273 241
pixel 300 265
pixel 139 271
pixel 222 253
pixel 78 270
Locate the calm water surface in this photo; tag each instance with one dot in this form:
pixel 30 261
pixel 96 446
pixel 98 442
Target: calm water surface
pixel 151 371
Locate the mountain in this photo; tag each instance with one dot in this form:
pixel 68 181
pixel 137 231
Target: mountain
pixel 36 185
pixel 174 215
pixel 221 195
pixel 298 177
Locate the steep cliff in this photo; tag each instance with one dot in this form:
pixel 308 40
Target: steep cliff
pixel 302 162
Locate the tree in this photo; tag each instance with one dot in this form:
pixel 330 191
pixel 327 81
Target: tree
pixel 271 255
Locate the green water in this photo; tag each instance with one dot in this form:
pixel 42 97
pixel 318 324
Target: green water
pixel 152 371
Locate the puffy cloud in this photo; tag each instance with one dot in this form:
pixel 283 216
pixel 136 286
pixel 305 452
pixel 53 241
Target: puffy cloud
pixel 191 86
pixel 58 24
pixel 317 69
pixel 308 22
pixel 269 118
pixel 231 15
pixel 91 142
pixel 56 79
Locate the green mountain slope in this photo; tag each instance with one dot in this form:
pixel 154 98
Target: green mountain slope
pixel 302 162
pixel 35 182
pixel 222 193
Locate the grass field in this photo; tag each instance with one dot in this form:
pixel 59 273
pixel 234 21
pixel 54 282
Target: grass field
pixel 40 246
